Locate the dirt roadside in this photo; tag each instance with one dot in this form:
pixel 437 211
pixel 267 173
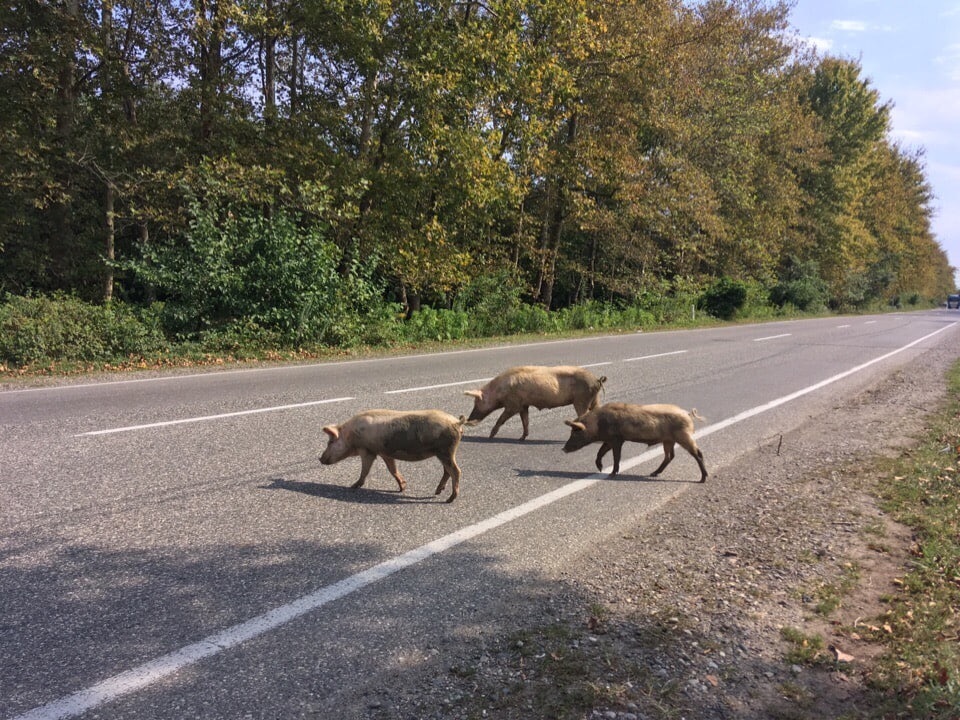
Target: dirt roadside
pixel 685 617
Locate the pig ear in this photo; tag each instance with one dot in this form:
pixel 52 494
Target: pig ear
pixel 333 431
pixel 576 425
pixel 474 393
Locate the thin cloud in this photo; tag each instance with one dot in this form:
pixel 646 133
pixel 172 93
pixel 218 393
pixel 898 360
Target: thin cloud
pixel 950 59
pixel 849 25
pixel 858 26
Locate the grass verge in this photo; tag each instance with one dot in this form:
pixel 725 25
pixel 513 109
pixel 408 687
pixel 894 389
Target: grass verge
pixel 921 628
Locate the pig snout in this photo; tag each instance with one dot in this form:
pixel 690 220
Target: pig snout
pixel 336 451
pixel 578 439
pixel 476 415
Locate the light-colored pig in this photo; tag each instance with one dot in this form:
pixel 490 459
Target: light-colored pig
pixel 396 435
pixel 615 423
pixel 518 389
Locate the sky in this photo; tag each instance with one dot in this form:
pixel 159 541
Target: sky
pixel 909 51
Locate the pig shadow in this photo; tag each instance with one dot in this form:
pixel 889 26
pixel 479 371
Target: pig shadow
pixel 484 440
pixel 580 475
pixel 344 493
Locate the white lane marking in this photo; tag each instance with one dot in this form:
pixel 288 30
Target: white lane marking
pixel 658 355
pixel 150 672
pixel 466 382
pixel 842 326
pixel 710 429
pixel 434 387
pixel 772 337
pixel 301 366
pixel 276 408
pixel 869 322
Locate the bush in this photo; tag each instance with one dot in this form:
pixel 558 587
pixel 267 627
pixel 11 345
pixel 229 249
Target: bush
pixel 724 298
pixel 428 324
pixel 800 286
pixel 491 302
pixel 36 330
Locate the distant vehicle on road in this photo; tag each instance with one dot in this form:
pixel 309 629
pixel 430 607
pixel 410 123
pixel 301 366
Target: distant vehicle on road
pixel 953 301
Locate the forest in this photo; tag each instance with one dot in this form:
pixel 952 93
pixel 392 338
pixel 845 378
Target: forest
pixel 330 171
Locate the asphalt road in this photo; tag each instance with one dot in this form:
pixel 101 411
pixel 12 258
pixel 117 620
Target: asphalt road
pixel 170 547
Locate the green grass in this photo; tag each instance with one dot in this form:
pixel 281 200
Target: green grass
pixel 921 629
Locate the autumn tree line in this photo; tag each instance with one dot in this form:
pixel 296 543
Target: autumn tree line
pixel 300 167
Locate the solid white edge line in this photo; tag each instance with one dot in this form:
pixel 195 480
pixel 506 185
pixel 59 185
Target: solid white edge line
pixel 166 423
pixel 146 674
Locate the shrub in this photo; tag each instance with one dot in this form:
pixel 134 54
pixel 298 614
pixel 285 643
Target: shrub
pixel 491 302
pixel 37 330
pixel 724 298
pixel 800 286
pixel 428 324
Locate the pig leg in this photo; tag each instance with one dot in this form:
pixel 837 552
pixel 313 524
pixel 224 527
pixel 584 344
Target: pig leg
pixel 604 449
pixel 667 457
pixel 504 416
pixel 525 419
pixel 617 446
pixel 392 467
pixel 366 462
pixel 690 445
pixel 450 470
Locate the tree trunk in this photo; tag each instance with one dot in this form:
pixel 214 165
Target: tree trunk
pixel 210 52
pixel 293 83
pixel 269 70
pixel 62 247
pixel 110 256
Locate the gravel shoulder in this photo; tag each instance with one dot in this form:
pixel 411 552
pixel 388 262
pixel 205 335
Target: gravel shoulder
pixel 684 616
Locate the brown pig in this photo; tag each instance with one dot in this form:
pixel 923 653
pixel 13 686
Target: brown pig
pixel 614 423
pixel 396 435
pixel 518 389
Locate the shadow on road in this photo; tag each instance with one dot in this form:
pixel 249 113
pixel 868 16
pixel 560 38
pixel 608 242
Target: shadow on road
pixel 344 493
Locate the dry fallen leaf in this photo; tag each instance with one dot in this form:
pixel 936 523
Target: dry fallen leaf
pixel 839 655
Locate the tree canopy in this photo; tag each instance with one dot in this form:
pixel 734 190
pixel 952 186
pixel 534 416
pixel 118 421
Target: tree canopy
pixel 170 149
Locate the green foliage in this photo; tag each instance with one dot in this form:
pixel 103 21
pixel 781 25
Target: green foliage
pixel 563 152
pixel 436 325
pixel 492 302
pixel 240 272
pixel 35 330
pixel 724 298
pixel 800 286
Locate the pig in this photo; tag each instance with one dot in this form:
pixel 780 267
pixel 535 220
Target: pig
pixel 614 423
pixel 517 389
pixel 396 435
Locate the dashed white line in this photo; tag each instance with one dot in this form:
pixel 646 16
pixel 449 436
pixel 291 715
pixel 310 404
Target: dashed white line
pixel 658 355
pixel 150 672
pixel 434 387
pixel 182 421
pixel 772 337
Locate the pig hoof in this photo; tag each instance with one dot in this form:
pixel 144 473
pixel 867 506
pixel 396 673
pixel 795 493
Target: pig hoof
pixel 451 498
